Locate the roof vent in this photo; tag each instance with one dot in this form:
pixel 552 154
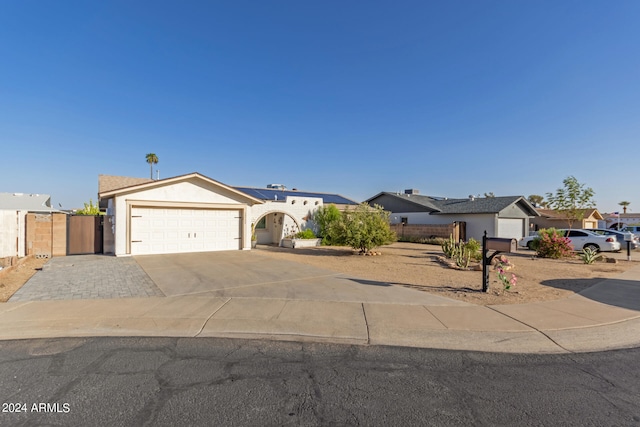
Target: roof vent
pixel 471 197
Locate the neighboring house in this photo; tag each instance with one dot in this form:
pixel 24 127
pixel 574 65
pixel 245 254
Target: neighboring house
pixel 13 210
pixel 557 219
pixel 499 216
pixel 619 220
pixel 285 212
pixel 194 213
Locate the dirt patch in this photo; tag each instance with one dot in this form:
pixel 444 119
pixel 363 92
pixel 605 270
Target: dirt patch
pixel 12 278
pixel 416 266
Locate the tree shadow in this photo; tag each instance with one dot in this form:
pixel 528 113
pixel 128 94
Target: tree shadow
pixel 616 292
pixel 422 288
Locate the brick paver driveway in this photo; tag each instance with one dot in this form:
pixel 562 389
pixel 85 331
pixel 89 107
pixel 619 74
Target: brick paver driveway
pixel 88 277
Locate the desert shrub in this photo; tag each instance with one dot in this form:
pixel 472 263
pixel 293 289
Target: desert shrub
pixel 473 247
pixel 552 244
pixel 362 228
pixel 306 234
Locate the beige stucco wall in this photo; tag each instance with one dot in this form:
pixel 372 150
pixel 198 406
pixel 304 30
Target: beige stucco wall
pixel 284 217
pixel 193 193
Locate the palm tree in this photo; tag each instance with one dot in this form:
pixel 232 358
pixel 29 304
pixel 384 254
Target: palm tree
pixel 624 205
pixel 152 159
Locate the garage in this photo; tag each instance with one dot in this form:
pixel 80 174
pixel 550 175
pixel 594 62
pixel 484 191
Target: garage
pixel 187 213
pixel 512 228
pixel 156 230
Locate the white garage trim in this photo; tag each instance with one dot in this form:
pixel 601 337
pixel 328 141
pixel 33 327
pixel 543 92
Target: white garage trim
pixel 512 228
pixel 185 227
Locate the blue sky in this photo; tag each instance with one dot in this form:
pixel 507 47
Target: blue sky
pixel 352 97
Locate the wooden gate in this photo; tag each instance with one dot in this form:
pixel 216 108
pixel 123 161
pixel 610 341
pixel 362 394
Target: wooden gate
pixel 84 234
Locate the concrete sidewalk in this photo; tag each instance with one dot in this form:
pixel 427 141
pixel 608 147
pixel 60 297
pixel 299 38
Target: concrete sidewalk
pixel 603 317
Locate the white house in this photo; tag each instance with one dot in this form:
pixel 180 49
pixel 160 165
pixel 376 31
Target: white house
pixel 194 213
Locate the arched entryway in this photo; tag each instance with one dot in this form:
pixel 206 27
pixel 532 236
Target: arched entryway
pixel 272 227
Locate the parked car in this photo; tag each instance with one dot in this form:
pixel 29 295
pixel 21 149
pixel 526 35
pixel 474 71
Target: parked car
pixel 581 239
pixel 620 236
pixel 635 229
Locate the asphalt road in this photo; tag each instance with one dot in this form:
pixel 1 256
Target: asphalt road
pixel 180 382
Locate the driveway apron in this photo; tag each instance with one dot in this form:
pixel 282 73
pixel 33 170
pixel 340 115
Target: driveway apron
pixel 248 274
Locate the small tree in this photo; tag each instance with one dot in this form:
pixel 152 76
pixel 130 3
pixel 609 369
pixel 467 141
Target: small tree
pixel 324 217
pixel 363 228
pixel 89 209
pixel 572 200
pixel 536 200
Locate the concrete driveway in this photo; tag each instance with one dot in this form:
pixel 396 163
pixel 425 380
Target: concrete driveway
pixel 249 274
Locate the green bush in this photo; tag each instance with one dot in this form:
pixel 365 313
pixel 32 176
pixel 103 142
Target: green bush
pixel 325 218
pixel 306 234
pixel 89 209
pixel 474 249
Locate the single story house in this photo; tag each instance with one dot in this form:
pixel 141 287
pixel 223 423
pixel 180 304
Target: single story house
pixel 285 212
pixel 619 220
pixel 194 213
pixel 557 219
pixel 13 210
pixel 499 216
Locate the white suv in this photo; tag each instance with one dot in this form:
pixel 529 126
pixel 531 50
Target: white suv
pixel 581 239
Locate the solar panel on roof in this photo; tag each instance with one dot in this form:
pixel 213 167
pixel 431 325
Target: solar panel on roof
pixel 270 194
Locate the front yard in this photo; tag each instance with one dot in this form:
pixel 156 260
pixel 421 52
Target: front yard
pixel 415 266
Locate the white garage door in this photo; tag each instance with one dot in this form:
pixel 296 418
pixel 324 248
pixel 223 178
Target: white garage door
pixel 170 230
pixel 510 228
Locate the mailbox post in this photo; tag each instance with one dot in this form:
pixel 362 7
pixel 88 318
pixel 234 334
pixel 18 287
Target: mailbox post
pixel 497 244
pixel 628 237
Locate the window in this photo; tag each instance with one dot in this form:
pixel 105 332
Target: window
pixel 262 224
pixel 404 220
pixel 574 233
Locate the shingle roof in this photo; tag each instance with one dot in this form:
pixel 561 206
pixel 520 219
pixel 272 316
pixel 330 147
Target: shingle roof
pixel 477 205
pixel 276 194
pixel 554 214
pixel 114 182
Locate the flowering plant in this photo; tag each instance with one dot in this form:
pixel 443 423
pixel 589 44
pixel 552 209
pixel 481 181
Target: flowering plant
pixel 552 244
pixel 502 265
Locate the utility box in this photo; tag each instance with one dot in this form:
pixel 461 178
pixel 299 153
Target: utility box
pixel 501 244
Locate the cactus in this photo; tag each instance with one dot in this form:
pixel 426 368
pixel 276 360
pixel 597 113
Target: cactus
pixel 462 256
pixel 449 246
